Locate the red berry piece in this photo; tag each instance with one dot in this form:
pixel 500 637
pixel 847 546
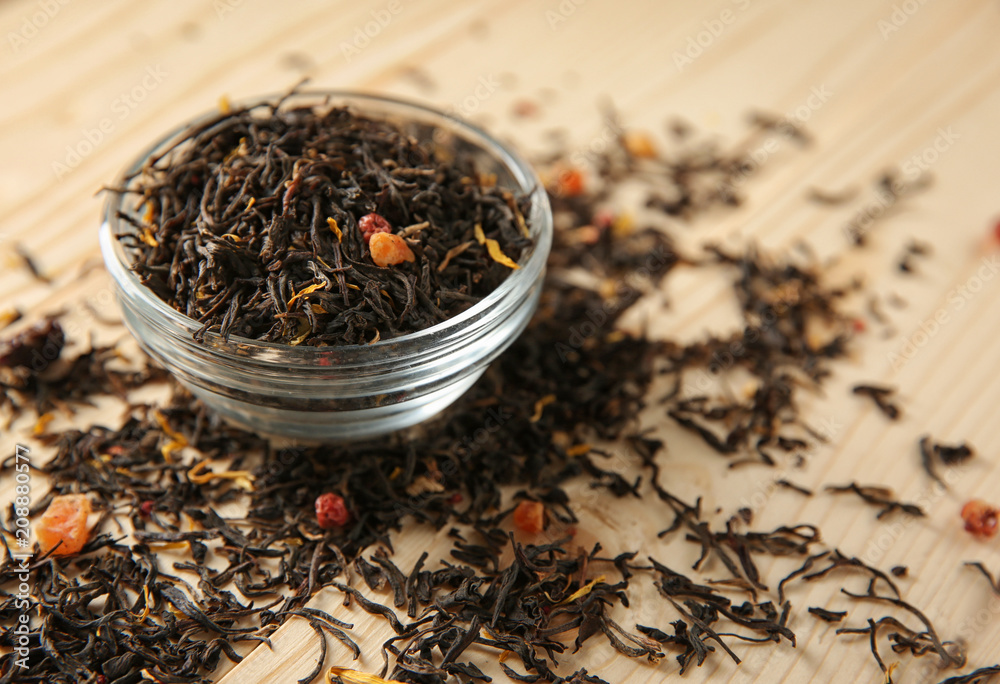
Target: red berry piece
pixel 980 518
pixel 570 183
pixel 371 224
pixel 331 511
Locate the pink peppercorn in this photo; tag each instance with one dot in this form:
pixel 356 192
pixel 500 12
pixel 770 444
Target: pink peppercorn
pixel 371 224
pixel 331 511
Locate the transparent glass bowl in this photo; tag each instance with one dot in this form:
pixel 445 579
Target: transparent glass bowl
pixel 347 392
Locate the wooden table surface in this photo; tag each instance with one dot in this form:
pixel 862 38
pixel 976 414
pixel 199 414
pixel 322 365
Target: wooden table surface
pixel 878 83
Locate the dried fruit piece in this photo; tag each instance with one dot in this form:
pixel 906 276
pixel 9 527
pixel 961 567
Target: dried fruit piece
pixel 331 511
pixel 980 518
pixel 604 219
pixel 529 516
pixel 34 348
pixel 372 224
pixel 588 235
pixel 570 183
pixel 10 316
pixel 623 225
pixel 640 145
pixel 64 523
pixel 525 108
pixel 388 250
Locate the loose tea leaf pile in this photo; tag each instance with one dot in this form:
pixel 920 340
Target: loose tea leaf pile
pixel 35 377
pixel 536 423
pixel 260 223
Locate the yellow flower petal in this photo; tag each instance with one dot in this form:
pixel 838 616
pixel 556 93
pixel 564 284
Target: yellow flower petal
pixel 344 675
pixel 305 291
pixel 540 406
pixel 454 252
pixel 582 591
pixel 242 478
pixel 335 228
pixel 176 442
pixel 493 247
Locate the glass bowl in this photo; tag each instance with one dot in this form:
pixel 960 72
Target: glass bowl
pixel 340 393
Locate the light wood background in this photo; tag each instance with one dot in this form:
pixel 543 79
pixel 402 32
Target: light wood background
pixel 895 79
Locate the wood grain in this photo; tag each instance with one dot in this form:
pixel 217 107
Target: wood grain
pixel 889 91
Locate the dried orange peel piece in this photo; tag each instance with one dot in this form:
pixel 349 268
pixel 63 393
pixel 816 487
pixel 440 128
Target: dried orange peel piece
pixel 388 250
pixel 63 526
pixel 529 516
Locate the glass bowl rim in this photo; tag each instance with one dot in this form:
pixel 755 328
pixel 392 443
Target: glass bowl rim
pixel 119 266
